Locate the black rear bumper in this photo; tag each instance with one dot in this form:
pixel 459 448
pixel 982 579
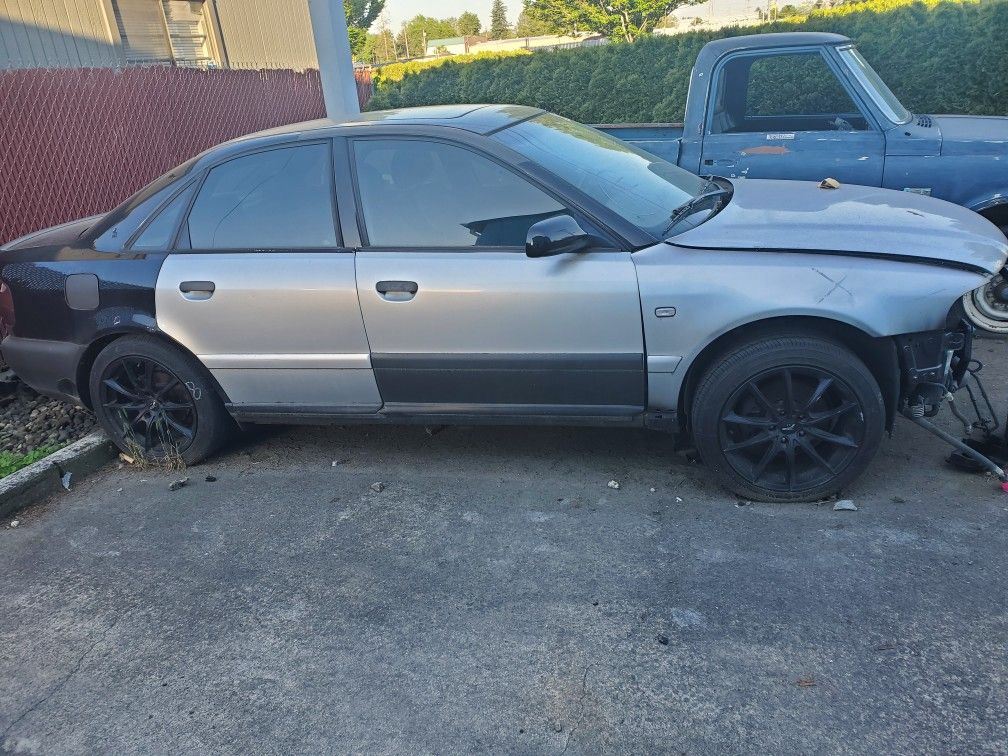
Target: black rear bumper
pixel 49 367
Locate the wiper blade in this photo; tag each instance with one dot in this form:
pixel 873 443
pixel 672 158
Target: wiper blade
pixel 687 208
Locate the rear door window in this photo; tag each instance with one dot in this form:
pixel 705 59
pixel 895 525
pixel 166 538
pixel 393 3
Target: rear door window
pixel 274 199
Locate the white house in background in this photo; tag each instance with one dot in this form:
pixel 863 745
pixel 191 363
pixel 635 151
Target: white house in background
pixel 451 45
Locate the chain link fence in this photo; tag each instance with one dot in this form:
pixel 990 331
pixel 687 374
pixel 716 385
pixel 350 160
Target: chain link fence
pixel 77 141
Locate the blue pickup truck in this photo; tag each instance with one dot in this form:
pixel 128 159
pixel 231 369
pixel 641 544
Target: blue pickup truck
pixel 806 105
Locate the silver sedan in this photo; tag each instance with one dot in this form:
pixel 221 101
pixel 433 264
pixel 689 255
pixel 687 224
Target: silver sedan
pixel 501 264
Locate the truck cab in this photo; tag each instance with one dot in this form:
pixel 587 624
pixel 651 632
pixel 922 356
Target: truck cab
pixel 807 105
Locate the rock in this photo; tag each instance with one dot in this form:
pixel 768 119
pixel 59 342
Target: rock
pixel 177 484
pixel 662 639
pixel 15 523
pixel 613 484
pixel 845 505
pixel 653 489
pixel 898 500
pixel 211 479
pixel 378 487
pixel 678 500
pixel 557 727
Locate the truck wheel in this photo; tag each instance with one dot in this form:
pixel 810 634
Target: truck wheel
pixel 157 402
pixel 788 418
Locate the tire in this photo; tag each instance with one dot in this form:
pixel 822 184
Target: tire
pixel 984 308
pixel 157 401
pixel 761 448
pixel 985 311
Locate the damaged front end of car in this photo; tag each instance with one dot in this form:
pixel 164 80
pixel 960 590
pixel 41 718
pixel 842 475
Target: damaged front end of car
pixel 938 368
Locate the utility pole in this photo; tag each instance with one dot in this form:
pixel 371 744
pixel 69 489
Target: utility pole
pixel 332 45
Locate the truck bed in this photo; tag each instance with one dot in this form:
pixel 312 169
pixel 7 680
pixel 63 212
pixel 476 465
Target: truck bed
pixel 660 139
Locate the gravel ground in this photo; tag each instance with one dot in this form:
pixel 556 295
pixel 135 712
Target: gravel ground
pixel 29 421
pixel 495 594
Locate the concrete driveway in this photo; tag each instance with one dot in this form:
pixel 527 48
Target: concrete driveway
pixel 498 596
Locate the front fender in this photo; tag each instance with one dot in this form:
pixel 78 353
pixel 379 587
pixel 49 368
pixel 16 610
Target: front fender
pixel 716 292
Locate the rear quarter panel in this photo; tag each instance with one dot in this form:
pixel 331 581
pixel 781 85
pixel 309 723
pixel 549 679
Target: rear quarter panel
pixel 37 279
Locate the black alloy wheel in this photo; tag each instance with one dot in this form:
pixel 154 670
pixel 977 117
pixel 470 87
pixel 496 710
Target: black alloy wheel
pixel 787 417
pixel 158 401
pixel 791 428
pixel 150 405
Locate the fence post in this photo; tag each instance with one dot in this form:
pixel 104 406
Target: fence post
pixel 332 45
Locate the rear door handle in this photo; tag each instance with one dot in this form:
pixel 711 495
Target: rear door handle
pixel 197 289
pixel 397 291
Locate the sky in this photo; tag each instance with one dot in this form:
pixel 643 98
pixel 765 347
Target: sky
pixel 402 10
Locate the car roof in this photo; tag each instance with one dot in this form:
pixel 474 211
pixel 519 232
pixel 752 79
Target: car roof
pixel 478 119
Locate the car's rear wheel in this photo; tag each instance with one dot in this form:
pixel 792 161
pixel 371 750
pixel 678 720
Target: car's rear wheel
pixel 790 418
pixel 157 402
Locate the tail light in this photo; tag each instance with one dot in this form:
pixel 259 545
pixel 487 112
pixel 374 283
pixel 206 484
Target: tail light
pixel 6 310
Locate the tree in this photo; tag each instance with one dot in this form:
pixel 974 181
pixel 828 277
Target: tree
pixel 360 14
pixel 528 26
pixel 469 24
pixel 419 30
pixel 624 20
pixel 499 28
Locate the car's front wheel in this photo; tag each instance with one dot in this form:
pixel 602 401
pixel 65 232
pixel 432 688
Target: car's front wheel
pixel 789 418
pixel 157 402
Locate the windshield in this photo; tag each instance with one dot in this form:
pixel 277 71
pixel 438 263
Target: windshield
pixel 877 89
pixel 639 186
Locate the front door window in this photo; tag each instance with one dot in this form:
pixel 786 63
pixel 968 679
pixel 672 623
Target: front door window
pixel 418 193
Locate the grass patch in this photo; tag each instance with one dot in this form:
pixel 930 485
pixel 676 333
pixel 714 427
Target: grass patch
pixel 11 463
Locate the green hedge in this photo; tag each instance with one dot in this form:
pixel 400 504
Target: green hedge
pixel 938 57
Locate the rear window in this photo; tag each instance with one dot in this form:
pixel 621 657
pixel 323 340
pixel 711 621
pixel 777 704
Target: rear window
pixel 120 224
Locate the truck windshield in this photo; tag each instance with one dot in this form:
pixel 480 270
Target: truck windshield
pixel 872 83
pixel 639 186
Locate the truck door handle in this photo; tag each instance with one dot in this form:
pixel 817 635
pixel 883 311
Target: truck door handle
pixel 397 291
pixel 197 289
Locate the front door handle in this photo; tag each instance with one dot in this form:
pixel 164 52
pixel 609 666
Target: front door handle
pixel 197 290
pixel 397 291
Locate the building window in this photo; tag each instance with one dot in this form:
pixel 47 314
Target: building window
pixel 169 31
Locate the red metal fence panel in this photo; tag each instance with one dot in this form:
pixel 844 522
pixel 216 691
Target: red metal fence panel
pixel 75 142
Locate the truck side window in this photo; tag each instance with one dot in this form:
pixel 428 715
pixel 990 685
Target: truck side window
pixel 786 92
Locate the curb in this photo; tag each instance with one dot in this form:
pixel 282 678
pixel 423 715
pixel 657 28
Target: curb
pixel 42 478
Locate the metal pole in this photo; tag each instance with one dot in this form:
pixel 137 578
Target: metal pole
pixel 332 45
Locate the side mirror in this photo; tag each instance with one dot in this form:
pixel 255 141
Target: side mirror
pixel 556 236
